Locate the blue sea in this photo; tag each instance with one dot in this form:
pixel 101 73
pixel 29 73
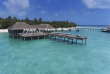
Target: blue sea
pixel 46 56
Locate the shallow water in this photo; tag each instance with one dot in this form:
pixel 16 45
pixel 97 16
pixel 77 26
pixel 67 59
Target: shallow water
pixel 54 57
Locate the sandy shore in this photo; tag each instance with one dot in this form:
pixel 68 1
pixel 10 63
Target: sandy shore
pixel 3 30
pixel 72 28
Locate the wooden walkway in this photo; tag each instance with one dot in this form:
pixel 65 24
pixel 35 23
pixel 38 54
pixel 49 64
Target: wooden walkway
pixel 69 37
pixel 57 36
pixel 30 36
pixel 89 29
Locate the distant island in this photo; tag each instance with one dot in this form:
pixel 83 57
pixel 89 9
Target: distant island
pixel 5 23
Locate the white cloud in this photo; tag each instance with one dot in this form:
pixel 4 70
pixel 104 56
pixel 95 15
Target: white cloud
pixel 17 7
pixel 101 4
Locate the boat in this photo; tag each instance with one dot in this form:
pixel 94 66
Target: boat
pixel 107 29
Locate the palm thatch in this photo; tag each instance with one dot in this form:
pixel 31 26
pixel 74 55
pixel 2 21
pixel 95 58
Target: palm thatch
pixel 19 25
pixel 23 25
pixel 45 26
pixel 42 26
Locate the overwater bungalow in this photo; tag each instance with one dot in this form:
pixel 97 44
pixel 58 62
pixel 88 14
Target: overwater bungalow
pixel 23 30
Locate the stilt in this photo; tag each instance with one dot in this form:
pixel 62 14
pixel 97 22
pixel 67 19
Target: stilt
pixel 38 37
pixel 17 36
pixel 31 38
pixel 13 36
pixel 24 38
pixel 85 41
pixel 64 39
pixel 55 37
pixel 72 41
pixel 20 37
pixel 82 41
pixel 68 40
pixel 76 41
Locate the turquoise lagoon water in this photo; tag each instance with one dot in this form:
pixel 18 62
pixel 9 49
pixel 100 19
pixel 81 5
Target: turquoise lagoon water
pixel 54 57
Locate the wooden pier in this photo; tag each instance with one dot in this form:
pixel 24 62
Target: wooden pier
pixel 68 37
pixel 54 36
pixel 30 36
pixel 89 29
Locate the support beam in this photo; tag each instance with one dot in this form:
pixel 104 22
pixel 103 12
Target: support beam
pixel 64 39
pixel 76 41
pixel 85 41
pixel 72 41
pixel 68 40
pixel 55 37
pixel 17 36
pixel 31 38
pixel 24 38
pixel 13 36
pixel 82 41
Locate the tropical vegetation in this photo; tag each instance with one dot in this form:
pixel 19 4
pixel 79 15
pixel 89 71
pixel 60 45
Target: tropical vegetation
pixel 5 23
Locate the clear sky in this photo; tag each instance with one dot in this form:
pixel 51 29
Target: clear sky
pixel 83 12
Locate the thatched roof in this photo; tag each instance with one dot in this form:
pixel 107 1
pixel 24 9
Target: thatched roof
pixel 34 27
pixel 23 25
pixel 19 25
pixel 45 26
pixel 42 26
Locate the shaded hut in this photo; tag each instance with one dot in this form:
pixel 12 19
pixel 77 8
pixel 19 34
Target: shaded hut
pixel 43 27
pixel 23 28
pixel 18 27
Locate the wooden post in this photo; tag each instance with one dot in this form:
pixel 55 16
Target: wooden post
pixel 85 41
pixel 55 37
pixel 76 41
pixel 38 37
pixel 31 38
pixel 52 38
pixel 64 39
pixel 72 41
pixel 13 36
pixel 24 38
pixel 44 37
pixel 82 41
pixel 68 40
pixel 17 36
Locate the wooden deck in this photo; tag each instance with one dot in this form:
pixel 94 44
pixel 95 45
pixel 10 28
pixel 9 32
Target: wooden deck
pixel 57 36
pixel 68 37
pixel 29 36
pixel 89 29
pixel 32 34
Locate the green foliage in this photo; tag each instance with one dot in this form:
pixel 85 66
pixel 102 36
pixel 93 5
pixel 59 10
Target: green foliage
pixel 5 23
